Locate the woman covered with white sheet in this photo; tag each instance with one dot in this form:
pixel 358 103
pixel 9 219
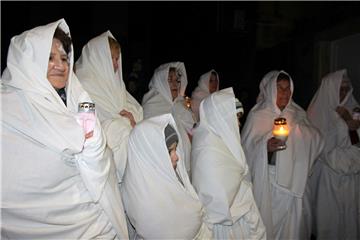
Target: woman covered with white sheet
pixel 58 181
pixel 207 84
pixel 166 95
pixel 99 70
pixel 158 197
pixel 219 168
pixel 280 175
pixel 336 178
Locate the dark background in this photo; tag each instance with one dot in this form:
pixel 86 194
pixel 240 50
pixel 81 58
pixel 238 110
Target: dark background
pixel 242 41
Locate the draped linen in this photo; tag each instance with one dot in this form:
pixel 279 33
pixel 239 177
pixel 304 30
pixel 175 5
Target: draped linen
pixel 55 184
pixel 279 191
pixel 95 70
pixel 158 205
pixel 201 92
pixel 219 168
pixel 336 178
pixel 158 100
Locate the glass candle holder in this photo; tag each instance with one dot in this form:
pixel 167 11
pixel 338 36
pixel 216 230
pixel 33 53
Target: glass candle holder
pixel 86 116
pixel 281 131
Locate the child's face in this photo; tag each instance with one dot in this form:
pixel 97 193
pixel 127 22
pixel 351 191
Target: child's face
pixel 173 156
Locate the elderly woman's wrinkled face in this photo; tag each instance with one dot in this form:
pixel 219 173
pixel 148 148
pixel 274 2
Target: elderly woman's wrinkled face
pixel 115 55
pixel 174 84
pixel 58 66
pixel 283 93
pixel 344 88
pixel 213 83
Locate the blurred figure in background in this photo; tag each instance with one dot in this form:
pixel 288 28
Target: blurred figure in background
pixel 207 84
pixel 336 178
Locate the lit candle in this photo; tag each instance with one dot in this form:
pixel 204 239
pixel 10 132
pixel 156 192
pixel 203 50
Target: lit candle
pixel 281 130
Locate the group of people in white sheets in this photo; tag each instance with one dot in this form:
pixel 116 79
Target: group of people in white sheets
pixel 168 168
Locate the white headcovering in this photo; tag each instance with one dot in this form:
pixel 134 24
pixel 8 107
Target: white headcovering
pixel 267 77
pixel 96 73
pixel 158 205
pixel 202 91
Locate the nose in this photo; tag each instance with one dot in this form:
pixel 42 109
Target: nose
pixel 59 65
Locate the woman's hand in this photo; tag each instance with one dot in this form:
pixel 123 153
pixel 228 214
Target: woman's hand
pixel 273 144
pixel 344 113
pixel 129 116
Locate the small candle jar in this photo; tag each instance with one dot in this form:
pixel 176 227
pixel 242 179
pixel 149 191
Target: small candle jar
pixel 86 116
pixel 281 131
pixel 188 102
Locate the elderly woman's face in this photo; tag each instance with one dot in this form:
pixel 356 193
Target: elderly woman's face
pixel 213 83
pixel 283 93
pixel 115 55
pixel 173 155
pixel 58 66
pixel 344 88
pixel 174 84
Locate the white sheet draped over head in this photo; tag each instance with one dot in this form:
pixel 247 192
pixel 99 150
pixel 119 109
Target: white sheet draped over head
pixel 107 88
pixel 339 154
pixel 293 164
pixel 219 168
pixel 202 91
pixel 159 101
pixel 51 124
pixel 96 73
pixel 267 77
pixel 158 205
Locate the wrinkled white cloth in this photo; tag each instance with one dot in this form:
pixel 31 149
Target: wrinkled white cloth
pixel 55 184
pixel 96 73
pixel 201 92
pixel 158 205
pixel 219 168
pixel 336 178
pixel 158 100
pixel 281 201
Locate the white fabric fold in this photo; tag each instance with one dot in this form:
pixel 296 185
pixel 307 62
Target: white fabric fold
pixel 55 179
pixel 219 168
pixel 156 202
pixel 95 70
pixel 293 165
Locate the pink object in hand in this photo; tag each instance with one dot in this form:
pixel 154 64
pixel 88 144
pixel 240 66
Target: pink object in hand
pixel 86 116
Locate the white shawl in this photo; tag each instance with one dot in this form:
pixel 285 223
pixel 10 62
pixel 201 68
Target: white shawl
pixel 45 121
pixel 157 204
pixel 219 168
pixel 293 165
pixel 338 153
pixel 159 101
pixel 201 92
pixel 96 73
